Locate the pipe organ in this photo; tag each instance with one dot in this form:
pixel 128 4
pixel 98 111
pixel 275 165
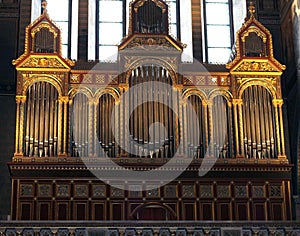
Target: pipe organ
pixel 67 116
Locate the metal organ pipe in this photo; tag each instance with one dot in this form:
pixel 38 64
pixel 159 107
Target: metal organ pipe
pixel 39 120
pixel 258 123
pixel 220 124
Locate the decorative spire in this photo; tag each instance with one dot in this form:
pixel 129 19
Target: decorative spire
pixel 251 9
pixel 44 6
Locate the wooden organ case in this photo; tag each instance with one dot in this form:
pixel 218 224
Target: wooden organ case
pixel 241 102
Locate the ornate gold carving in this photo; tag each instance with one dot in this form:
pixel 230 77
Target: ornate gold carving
pixel 255 30
pixel 43 63
pixel 255 66
pixel 20 99
pixel 277 102
pixel 148 44
pixel 237 102
pixel 63 99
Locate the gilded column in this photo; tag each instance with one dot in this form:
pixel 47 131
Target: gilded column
pixel 91 128
pixel 240 110
pixel 210 129
pixel 236 130
pixel 282 130
pixel 205 104
pixel 124 119
pixel 183 127
pixel 95 121
pixel 20 101
pixel 178 125
pixel 70 126
pixel 60 125
pixel 277 103
pixel 230 138
pixel 65 102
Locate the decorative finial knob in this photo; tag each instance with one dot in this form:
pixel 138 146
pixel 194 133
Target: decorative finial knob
pixel 44 5
pixel 251 9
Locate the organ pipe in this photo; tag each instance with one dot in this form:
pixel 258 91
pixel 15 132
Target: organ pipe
pixel 258 123
pixel 39 120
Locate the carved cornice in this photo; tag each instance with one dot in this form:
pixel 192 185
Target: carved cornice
pixel 151 42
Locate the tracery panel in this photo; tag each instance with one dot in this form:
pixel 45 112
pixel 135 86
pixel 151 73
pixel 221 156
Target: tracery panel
pixel 41 120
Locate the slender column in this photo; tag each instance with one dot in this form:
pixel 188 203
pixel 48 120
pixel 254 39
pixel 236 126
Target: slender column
pixel 61 124
pixel 20 101
pixel 205 104
pixel 240 103
pixel 281 130
pixel 236 130
pixel 96 141
pixel 183 130
pixel 230 130
pixel 210 129
pixel 70 125
pixel 178 116
pixel 90 127
pixel 124 136
pixel 277 103
pixel 22 109
pixel 66 101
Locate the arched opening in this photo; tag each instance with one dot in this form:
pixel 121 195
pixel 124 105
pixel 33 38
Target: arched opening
pixel 41 120
pixel 221 115
pixel 44 41
pixel 153 211
pixel 197 138
pixel 258 123
pixel 106 127
pixel 80 123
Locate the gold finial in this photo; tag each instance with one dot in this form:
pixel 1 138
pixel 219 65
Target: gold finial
pixel 44 6
pixel 251 9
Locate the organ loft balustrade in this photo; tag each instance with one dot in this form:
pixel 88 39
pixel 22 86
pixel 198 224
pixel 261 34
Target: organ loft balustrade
pixel 142 112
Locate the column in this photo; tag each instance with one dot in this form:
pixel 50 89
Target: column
pixel 20 101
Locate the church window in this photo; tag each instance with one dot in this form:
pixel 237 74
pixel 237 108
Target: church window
pixel 217 30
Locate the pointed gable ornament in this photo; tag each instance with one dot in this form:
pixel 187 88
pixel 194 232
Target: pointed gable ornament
pixel 43 46
pixel 254 49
